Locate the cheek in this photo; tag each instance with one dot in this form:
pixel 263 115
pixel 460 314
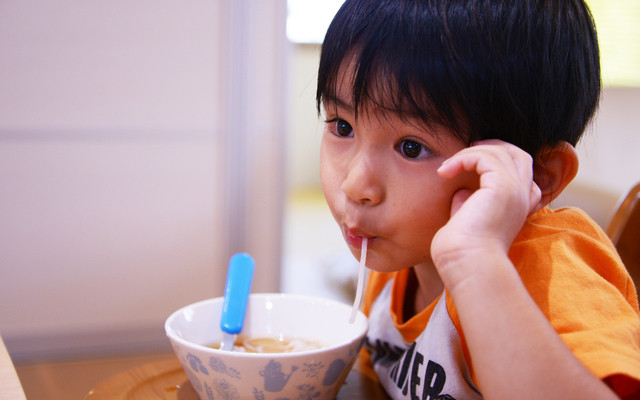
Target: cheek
pixel 442 197
pixel 423 225
pixel 418 214
pixel 467 180
pixel 427 208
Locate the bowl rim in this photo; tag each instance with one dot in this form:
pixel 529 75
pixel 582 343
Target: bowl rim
pixel 174 337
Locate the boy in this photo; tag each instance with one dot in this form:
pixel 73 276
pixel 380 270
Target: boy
pixel 451 126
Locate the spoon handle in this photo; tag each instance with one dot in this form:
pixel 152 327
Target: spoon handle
pixel 236 292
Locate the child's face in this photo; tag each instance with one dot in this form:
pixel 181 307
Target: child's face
pixel 379 177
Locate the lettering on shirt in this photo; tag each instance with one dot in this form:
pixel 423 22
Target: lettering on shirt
pixel 408 371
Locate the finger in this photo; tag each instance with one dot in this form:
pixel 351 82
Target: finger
pixel 535 195
pixel 491 155
pixel 459 197
pixel 510 155
pixel 480 159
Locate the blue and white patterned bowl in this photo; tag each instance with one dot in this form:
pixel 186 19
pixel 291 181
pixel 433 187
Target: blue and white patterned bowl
pixel 313 374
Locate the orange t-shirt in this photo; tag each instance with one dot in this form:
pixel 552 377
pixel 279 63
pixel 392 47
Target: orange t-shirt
pixel 575 276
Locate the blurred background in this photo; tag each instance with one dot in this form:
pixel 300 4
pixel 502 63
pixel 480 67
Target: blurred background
pixel 144 142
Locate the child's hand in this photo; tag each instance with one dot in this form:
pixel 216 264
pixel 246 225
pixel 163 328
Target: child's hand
pixel 470 253
pixel 489 218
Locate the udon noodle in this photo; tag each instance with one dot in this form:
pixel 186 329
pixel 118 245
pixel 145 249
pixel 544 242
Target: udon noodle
pixel 360 287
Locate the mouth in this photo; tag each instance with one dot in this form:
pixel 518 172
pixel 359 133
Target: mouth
pixel 354 237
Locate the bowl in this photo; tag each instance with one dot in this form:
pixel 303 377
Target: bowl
pixel 316 373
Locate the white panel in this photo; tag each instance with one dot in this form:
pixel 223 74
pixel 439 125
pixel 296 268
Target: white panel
pixel 111 64
pixel 101 238
pixel 116 165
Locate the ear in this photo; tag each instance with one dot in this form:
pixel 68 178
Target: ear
pixel 553 169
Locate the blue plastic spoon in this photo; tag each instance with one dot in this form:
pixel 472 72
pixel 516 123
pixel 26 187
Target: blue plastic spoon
pixel 236 296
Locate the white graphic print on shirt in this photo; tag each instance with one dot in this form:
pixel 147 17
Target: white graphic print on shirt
pixel 433 367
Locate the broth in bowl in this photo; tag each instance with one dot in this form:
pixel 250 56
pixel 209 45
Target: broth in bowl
pixel 271 345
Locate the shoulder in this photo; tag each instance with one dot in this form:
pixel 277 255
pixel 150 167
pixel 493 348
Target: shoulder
pixel 568 220
pixel 573 272
pixel 568 246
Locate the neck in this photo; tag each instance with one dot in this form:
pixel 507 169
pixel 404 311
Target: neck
pixel 423 288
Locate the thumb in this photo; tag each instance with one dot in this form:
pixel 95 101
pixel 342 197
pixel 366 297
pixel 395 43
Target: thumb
pixel 459 197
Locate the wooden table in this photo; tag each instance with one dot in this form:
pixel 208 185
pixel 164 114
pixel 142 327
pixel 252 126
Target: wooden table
pixel 166 380
pixel 10 387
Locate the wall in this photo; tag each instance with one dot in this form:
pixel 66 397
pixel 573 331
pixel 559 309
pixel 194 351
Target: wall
pixel 102 238
pixel 304 125
pixel 609 162
pixel 120 183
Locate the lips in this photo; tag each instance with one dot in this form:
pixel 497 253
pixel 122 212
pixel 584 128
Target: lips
pixel 354 237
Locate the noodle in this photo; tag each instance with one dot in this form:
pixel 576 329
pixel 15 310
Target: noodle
pixel 358 299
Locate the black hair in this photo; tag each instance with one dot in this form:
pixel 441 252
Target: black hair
pixel 523 71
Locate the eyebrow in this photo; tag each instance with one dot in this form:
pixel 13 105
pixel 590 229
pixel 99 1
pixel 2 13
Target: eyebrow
pixel 338 102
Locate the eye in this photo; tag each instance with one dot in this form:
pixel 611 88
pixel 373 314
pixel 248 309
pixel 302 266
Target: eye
pixel 412 149
pixel 341 127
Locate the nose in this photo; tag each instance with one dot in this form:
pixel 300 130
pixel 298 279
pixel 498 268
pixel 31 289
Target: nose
pixel 364 180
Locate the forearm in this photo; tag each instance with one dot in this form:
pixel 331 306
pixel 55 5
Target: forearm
pixel 515 351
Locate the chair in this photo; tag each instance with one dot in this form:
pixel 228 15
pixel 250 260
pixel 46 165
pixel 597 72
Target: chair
pixel 624 232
